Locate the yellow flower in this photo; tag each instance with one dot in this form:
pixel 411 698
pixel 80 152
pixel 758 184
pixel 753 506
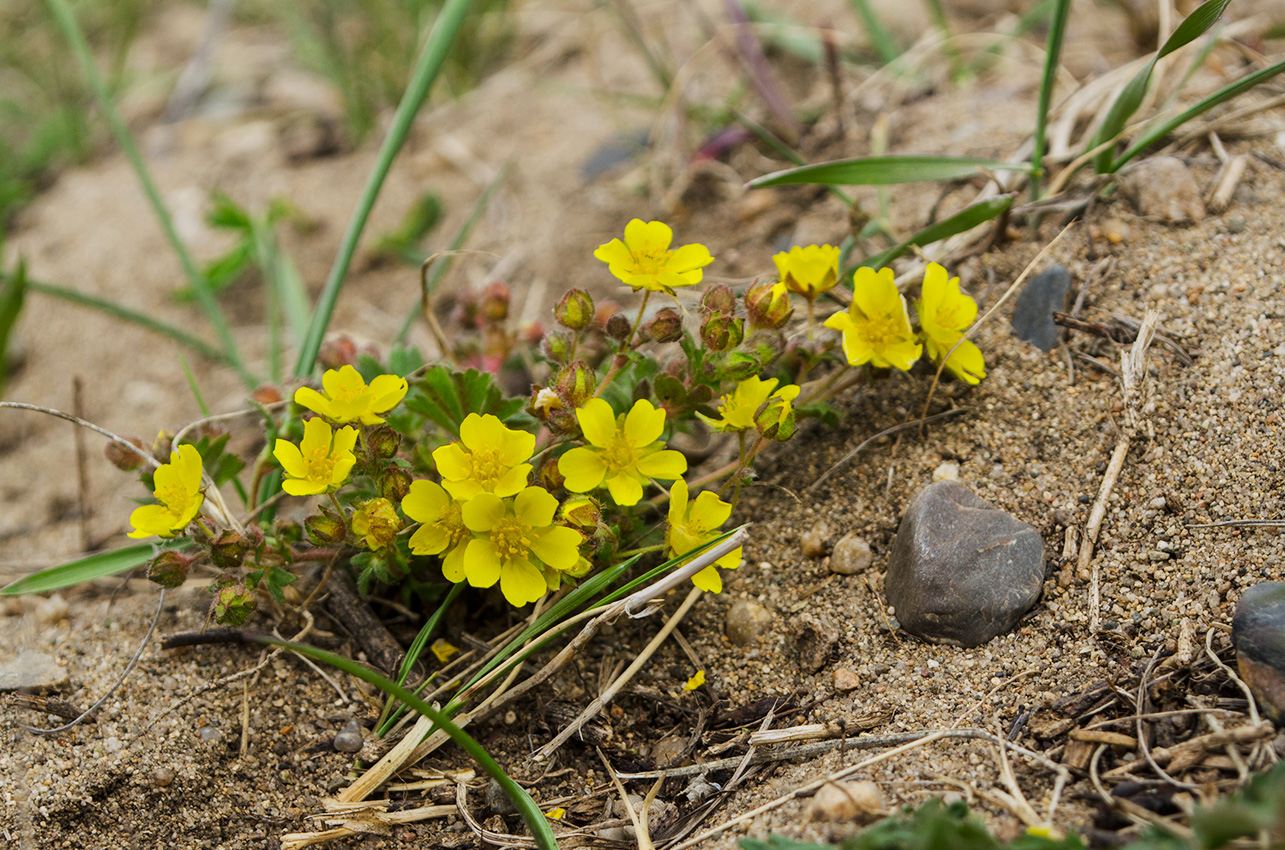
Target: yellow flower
pixel 322 460
pixel 376 522
pixel 944 314
pixel 624 452
pixel 644 260
pixel 178 489
pixel 876 328
pixel 513 540
pixel 348 398
pixel 441 530
pixel 691 525
pixel 738 407
pixel 489 458
pixel 808 270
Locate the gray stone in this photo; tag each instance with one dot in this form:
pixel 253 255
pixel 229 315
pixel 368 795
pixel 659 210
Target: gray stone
pixel 812 541
pixel 960 571
pixel 817 639
pixel 746 622
pixel 851 555
pixel 1164 188
pixel 349 739
pixel 1258 633
pixel 32 671
pixel 1033 314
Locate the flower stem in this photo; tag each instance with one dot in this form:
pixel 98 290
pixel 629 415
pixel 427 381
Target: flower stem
pixel 340 510
pixel 619 361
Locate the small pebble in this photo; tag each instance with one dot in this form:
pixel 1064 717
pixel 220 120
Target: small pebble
pixel 844 802
pixel 667 749
pixel 851 555
pixel 846 680
pixel 52 610
pixel 960 571
pixel 746 622
pixel 349 739
pixel 211 735
pixel 816 638
pixel 1163 187
pixel 948 471
pixel 813 541
pixel 162 777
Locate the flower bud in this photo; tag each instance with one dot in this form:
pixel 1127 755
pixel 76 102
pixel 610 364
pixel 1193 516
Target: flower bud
pixel 122 456
pixel 545 401
pixel 169 568
pixel 266 394
pixel 384 442
pixel 338 352
pixel 576 383
pixel 719 298
pixel 493 303
pixel 563 423
pixel 768 305
pixel 740 365
pixel 774 419
pixel 233 605
pixel 721 332
pixel 574 310
pixel 163 445
pixel 618 327
pixel 376 523
pixel 551 478
pixel 394 484
pixel 228 550
pixel 558 345
pixel 324 529
pixel 665 326
pixel 582 512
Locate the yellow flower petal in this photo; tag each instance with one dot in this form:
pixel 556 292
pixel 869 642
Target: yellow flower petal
pixel 598 422
pixel 535 506
pixel 695 681
pixel 481 563
pixel 583 469
pixel 625 489
pixel 521 583
pixel 665 464
pixel 482 512
pixel 644 424
pixel 558 546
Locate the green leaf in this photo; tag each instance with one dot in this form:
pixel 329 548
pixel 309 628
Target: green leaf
pixel 83 569
pixel 1227 92
pixel 1052 60
pixel 12 297
pixel 445 397
pixel 885 170
pixel 962 221
pixel 1130 97
pixel 780 842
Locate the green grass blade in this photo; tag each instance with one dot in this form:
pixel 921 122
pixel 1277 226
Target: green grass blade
pixel 200 286
pixel 1226 93
pixel 885 170
pixel 12 297
pixel 1130 98
pixel 531 814
pixel 882 39
pixel 391 713
pixel 785 151
pixel 81 570
pixel 115 310
pixel 430 62
pixel 1052 57
pixel 962 221
pixel 457 242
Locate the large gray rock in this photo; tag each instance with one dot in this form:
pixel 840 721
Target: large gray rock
pixel 1258 632
pixel 961 572
pixel 32 672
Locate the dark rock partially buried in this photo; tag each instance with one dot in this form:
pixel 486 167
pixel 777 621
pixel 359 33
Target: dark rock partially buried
pixel 960 571
pixel 1258 633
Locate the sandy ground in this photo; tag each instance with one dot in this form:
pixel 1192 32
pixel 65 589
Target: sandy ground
pixel 182 755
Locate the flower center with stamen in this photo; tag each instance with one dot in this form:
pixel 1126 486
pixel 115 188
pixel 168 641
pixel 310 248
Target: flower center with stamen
pixel 171 495
pixel 321 464
pixel 486 467
pixel 648 260
pixel 621 454
pixel 512 539
pixel 883 330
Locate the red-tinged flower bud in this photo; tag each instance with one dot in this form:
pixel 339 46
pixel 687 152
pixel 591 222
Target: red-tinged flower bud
pixel 666 326
pixel 721 332
pixel 719 298
pixel 122 456
pixel 574 310
pixel 768 305
pixel 576 383
pixel 603 311
pixel 233 605
pixel 266 394
pixel 494 302
pixel 169 568
pixel 228 550
pixel 338 352
pixel 394 484
pixel 558 346
pixel 384 442
pixel 618 327
pixel 551 478
pixel 324 529
pixel 774 419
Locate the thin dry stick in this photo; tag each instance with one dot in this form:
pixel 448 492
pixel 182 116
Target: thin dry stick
pixel 994 307
pixel 642 831
pixel 632 670
pixel 1133 376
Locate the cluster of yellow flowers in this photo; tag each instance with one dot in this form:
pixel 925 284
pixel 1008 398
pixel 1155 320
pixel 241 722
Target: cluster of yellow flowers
pixel 486 519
